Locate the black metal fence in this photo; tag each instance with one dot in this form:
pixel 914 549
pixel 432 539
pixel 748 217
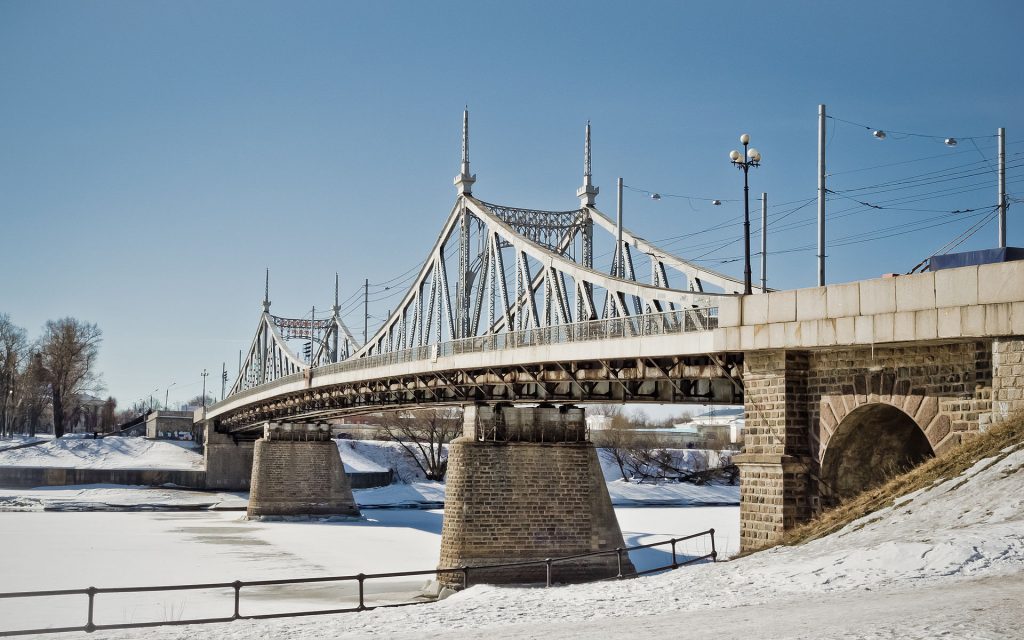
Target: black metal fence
pixel 465 572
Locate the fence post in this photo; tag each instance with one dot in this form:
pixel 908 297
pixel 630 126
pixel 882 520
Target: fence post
pixel 618 560
pixel 714 552
pixel 547 564
pixel 237 584
pixel 361 577
pixel 89 626
pixel 675 565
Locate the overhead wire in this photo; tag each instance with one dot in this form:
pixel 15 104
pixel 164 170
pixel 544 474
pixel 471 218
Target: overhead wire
pixel 908 133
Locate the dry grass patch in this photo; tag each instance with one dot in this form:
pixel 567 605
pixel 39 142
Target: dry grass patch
pixel 952 463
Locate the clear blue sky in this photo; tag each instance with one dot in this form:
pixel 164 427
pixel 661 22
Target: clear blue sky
pixel 155 157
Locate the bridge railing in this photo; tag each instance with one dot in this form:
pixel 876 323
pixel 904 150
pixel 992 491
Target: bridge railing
pixel 650 324
pixel 464 576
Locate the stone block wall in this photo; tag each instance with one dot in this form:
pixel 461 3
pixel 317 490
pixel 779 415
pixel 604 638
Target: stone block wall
pixel 299 473
pixel 775 392
pixel 509 502
pixel 797 400
pixel 774 497
pixel 228 461
pixel 774 481
pixel 945 388
pixel 1007 377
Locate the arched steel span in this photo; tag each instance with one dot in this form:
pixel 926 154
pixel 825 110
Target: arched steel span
pixel 519 273
pixel 269 357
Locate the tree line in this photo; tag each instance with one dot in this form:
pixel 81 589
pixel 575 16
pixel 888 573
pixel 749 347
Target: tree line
pixel 49 380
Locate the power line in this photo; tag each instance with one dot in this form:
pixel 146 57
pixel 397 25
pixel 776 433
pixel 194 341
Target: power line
pixel 896 164
pixel 923 181
pixel 908 133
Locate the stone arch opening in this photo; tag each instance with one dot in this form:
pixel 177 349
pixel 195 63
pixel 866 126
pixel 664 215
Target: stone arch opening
pixel 870 445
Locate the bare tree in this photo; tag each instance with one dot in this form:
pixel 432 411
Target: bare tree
pixel 199 402
pixel 615 446
pixel 13 354
pixel 67 352
pixel 423 435
pixel 33 396
pixel 108 415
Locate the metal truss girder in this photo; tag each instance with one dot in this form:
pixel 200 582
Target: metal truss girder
pixel 692 379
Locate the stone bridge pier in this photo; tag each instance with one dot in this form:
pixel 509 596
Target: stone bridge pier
pixel 524 483
pixel 824 424
pixel 228 460
pixel 297 471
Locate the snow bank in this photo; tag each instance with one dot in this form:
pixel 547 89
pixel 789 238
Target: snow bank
pixel 114 452
pixel 381 455
pixel 11 442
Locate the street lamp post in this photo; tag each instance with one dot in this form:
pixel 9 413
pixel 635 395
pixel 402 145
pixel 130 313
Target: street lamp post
pixel 204 374
pixel 749 158
pixel 167 393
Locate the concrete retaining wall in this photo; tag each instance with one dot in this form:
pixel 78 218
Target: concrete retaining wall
pixel 24 477
pixel 27 477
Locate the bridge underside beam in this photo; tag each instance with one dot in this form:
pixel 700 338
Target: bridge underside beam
pixel 669 380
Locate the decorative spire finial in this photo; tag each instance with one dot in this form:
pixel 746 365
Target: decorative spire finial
pixel 588 192
pixel 336 305
pixel 586 153
pixel 465 140
pixel 266 291
pixel 464 181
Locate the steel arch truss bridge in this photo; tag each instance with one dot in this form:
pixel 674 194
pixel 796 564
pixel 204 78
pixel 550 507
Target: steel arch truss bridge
pixel 501 292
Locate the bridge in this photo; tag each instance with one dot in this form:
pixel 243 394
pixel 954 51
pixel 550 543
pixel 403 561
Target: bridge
pixel 838 382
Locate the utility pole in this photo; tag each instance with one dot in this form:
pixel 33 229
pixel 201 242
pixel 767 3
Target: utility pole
pixel 764 242
pixel 821 195
pixel 1001 136
pixel 366 309
pixel 223 379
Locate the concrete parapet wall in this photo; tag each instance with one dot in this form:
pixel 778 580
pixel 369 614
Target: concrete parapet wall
pixel 509 502
pixel 984 301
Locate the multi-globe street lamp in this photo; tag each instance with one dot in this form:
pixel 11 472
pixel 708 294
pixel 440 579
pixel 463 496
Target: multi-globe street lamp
pixel 749 158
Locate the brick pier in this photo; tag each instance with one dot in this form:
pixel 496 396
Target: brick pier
pixel 297 471
pixel 526 484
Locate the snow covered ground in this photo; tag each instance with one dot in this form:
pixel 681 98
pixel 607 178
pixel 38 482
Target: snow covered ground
pixel 114 452
pixel 16 441
pixel 946 562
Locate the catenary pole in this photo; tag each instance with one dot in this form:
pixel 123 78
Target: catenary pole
pixel 1001 136
pixel 821 195
pixel 764 242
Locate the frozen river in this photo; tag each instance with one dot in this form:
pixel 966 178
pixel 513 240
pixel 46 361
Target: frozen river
pixel 70 550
